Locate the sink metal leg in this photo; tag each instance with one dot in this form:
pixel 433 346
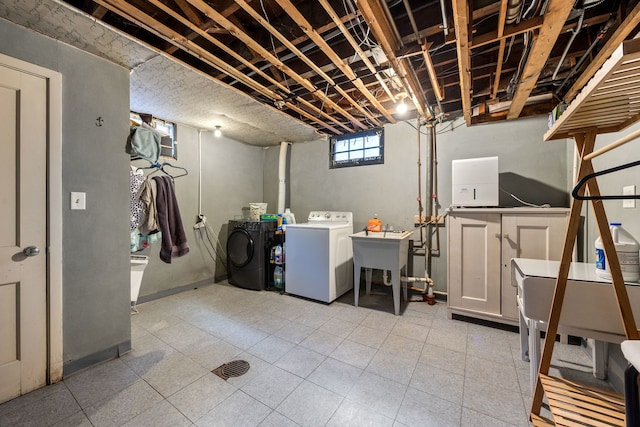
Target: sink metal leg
pixel 396 293
pixel 600 357
pixel 356 285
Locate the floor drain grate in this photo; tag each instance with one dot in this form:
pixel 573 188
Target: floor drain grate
pixel 235 368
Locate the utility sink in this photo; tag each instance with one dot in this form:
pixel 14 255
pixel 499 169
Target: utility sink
pixel 391 235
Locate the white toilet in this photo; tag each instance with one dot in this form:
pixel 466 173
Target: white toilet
pixel 138 264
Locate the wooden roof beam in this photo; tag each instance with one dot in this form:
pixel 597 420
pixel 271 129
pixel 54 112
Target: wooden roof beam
pixel 619 35
pixel 554 18
pixel 123 8
pixel 190 12
pixel 431 71
pixel 198 31
pixel 377 21
pixel 260 19
pixel 355 45
pixel 134 15
pixel 501 20
pixel 510 31
pixel 214 15
pixel 308 29
pixel 461 24
pixel 477 14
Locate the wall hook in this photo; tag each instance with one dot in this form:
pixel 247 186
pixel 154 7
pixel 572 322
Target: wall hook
pixel 99 121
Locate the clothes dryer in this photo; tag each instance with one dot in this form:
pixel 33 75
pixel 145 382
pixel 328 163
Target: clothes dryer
pixel 247 247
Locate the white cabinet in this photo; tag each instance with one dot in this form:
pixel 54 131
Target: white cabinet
pixel 481 244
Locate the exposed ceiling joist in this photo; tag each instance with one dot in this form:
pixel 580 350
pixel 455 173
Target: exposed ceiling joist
pixel 502 16
pixel 373 13
pixel 461 22
pixel 554 18
pixel 619 35
pixel 248 40
pixel 356 46
pixel 339 66
pixel 307 28
pixel 510 31
pixel 432 72
pixel 245 6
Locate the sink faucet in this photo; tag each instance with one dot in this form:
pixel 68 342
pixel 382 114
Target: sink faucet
pixel 366 230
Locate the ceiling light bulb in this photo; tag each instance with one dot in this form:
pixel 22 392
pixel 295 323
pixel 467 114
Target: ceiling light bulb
pixel 217 133
pixel 401 108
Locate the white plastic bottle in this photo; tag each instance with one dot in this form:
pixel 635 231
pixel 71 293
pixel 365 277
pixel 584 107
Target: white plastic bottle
pixel 278 254
pixel 278 277
pixel 627 249
pixel 291 218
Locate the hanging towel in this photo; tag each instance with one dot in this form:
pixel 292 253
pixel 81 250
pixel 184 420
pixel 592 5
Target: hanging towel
pixel 148 223
pixel 144 142
pixel 174 240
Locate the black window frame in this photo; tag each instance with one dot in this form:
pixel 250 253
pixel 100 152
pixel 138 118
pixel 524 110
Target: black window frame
pixel 360 161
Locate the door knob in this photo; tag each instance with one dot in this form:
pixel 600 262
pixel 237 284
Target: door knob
pixel 31 251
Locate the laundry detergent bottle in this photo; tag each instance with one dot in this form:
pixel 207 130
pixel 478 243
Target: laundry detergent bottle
pixel 627 249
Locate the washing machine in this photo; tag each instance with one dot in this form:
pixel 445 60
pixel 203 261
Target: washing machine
pixel 247 247
pixel 319 256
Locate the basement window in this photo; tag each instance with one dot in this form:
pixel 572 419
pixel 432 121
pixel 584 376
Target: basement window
pixel 168 143
pixel 357 149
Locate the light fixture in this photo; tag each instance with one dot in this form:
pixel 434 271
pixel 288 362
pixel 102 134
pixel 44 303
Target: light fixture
pixel 401 107
pixel 217 133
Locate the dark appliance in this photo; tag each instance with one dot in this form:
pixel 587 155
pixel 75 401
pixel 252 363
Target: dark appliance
pixel 248 245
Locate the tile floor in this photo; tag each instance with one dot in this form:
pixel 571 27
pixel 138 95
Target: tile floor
pixel 312 364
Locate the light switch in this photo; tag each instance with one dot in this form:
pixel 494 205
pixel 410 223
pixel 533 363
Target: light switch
pixel 629 190
pixel 78 201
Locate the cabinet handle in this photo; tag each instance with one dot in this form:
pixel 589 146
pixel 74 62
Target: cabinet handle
pixel 502 236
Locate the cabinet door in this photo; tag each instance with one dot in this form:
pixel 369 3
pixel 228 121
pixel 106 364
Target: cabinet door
pixel 528 236
pixel 474 271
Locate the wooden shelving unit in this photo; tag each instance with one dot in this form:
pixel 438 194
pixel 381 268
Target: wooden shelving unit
pixel 608 103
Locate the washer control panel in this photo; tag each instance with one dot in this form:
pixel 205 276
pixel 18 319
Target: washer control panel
pixel 330 216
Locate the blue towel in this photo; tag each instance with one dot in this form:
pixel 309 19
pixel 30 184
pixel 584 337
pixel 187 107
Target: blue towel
pixel 144 142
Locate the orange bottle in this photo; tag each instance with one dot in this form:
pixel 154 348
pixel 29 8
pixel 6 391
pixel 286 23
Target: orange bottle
pixel 374 224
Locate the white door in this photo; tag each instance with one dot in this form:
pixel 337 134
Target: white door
pixel 474 262
pixel 23 216
pixel 528 236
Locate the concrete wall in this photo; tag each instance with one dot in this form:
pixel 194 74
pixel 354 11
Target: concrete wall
pixel 534 171
pixel 96 318
pixel 231 179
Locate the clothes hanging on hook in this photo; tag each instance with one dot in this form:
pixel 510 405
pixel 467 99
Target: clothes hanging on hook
pixel 148 223
pixel 144 142
pixel 174 239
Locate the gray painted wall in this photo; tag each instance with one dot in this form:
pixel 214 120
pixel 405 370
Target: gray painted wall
pixel 95 259
pixel 611 185
pixel 231 179
pixel 534 171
